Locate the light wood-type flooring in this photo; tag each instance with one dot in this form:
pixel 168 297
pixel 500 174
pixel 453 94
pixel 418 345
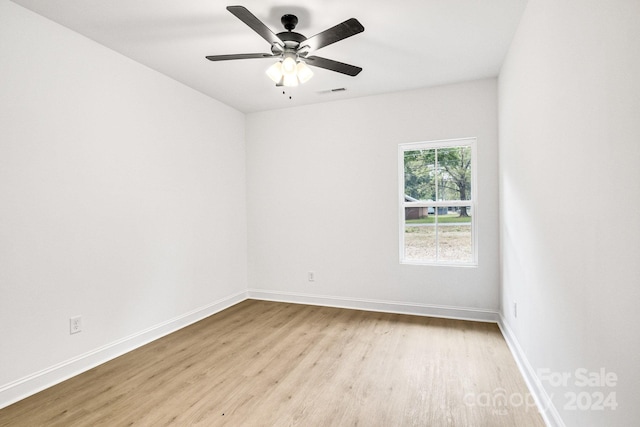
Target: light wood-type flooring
pixel 264 363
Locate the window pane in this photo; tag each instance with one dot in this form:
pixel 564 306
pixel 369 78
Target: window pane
pixel 455 239
pixel 419 241
pixel 454 173
pixel 419 175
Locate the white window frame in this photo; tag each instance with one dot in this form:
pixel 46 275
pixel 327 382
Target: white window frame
pixel 473 202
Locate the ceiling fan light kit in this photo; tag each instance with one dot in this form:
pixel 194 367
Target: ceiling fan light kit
pixel 289 72
pixel 293 49
pixel 304 72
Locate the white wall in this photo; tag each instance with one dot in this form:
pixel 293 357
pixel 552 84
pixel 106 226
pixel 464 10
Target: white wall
pixel 322 191
pixel 122 198
pixel 570 186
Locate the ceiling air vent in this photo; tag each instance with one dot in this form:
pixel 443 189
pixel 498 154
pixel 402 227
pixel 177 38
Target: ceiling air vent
pixel 336 90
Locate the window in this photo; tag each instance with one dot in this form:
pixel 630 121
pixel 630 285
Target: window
pixel 437 202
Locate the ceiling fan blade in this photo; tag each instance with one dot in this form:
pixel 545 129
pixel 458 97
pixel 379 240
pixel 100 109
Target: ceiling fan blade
pixel 348 28
pixel 243 14
pixel 239 56
pixel 330 64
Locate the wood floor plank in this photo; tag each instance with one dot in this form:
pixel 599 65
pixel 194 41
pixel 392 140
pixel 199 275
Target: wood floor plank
pixel 263 363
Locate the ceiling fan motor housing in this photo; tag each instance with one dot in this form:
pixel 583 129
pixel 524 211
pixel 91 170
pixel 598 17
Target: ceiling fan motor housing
pixel 290 38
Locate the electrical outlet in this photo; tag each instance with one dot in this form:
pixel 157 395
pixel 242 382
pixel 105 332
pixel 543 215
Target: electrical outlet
pixel 75 324
pixel 515 309
pixel 311 276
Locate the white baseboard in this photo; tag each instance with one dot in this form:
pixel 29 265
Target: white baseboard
pixel 547 409
pixel 461 313
pixel 38 381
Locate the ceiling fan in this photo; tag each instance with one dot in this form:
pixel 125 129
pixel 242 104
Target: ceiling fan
pixel 293 49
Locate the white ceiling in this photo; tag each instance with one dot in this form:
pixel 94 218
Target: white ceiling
pixel 407 44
